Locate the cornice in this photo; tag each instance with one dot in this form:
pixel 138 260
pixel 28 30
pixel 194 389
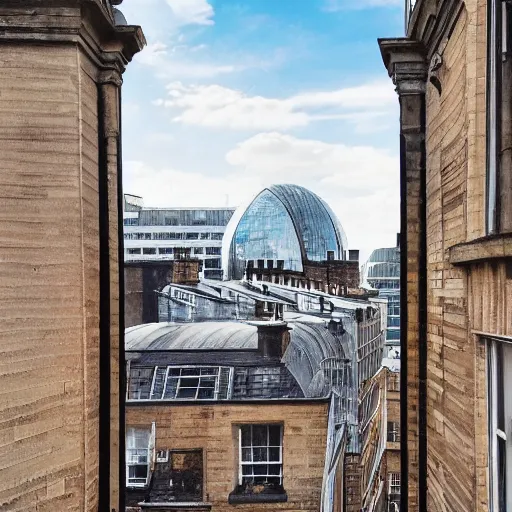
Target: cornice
pixel 86 23
pixel 406 63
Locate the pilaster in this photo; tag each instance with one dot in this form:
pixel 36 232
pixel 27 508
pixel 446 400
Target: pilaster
pixel 62 62
pixel 406 63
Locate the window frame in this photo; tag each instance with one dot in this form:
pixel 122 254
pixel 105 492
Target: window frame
pixel 393 478
pixel 148 453
pixel 393 432
pixel 500 480
pixel 242 463
pixel 493 84
pixel 163 397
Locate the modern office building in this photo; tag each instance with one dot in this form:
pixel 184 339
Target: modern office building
pixel 164 234
pixel 382 273
pixel 288 235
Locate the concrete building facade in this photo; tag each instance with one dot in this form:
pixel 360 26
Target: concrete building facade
pixel 62 429
pixel 166 234
pixel 452 73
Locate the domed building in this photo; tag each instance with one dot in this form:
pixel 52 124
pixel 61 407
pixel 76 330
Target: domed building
pixel 288 235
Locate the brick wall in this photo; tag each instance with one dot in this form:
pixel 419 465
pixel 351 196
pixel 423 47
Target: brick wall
pixel 142 279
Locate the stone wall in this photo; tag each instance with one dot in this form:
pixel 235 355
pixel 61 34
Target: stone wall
pixel 469 281
pixel 213 429
pixel 50 301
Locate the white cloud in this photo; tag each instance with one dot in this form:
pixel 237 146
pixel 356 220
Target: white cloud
pixel 167 187
pixel 355 169
pixel 187 12
pixel 360 183
pixel 220 107
pixel 169 63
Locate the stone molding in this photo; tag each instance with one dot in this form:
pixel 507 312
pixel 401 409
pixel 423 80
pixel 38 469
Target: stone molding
pixel 482 249
pixel 87 23
pixel 406 63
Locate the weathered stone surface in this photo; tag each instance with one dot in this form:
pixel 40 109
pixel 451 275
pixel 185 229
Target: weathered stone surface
pixel 50 271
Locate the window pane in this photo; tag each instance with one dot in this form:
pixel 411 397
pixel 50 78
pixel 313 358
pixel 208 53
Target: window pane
pixel 189 383
pixel 138 472
pixel 275 435
pixel 208 382
pixel 260 469
pixel 187 393
pixel 274 469
pixel 259 454
pixel 246 435
pixel 246 454
pixel 259 435
pixel 274 454
pixel 206 394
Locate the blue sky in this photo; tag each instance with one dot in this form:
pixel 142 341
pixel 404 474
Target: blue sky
pixel 231 96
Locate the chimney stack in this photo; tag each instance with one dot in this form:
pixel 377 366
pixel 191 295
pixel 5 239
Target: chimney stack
pixel 273 338
pixel 353 255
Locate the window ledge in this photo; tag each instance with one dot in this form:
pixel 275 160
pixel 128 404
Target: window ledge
pixel 482 249
pixel 175 504
pixel 236 498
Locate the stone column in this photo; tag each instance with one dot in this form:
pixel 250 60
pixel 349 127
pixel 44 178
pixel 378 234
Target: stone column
pixel 407 66
pixel 59 397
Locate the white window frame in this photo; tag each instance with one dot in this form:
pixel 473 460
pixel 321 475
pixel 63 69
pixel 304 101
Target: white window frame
pixel 162 456
pixel 394 432
pixel 499 402
pixel 216 375
pixel 139 455
pixel 394 483
pixel 242 463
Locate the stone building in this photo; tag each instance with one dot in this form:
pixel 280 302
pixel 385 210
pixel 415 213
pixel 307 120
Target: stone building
pixel 143 280
pixel 61 430
pixel 452 73
pixel 380 439
pixel 317 353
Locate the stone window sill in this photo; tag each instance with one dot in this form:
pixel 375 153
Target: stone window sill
pixel 176 505
pixel 482 249
pixel 239 498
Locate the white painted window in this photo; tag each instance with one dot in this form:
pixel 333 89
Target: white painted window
pixel 500 424
pixel 180 383
pixel 261 454
pixel 393 432
pixel 138 456
pixel 394 483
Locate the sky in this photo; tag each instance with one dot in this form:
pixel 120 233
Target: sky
pixel 231 96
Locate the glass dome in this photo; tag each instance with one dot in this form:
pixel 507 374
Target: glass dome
pixel 285 223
